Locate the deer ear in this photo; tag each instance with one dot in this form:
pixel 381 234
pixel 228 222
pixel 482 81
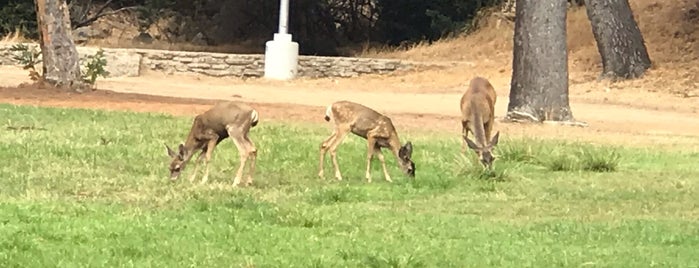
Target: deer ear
pixel 406 151
pixel 409 148
pixel 471 144
pixel 170 152
pixel 495 139
pixel 182 150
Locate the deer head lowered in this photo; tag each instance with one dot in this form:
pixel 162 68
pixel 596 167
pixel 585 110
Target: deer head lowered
pixel 223 120
pixel 478 117
pixel 376 128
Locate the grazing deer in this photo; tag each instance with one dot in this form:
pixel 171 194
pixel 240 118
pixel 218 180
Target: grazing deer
pixel 223 120
pixel 478 116
pixel 376 128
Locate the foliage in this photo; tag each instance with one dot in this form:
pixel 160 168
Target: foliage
pixel 104 200
pixel 94 67
pixel 416 20
pixel 28 59
pixel 321 26
pixel 151 10
pixel 18 15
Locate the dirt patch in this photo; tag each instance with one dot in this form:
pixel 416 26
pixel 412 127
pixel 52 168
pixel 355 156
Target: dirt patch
pixel 114 101
pixel 629 134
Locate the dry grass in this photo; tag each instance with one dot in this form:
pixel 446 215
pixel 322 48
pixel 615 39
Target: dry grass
pixel 15 37
pixel 670 31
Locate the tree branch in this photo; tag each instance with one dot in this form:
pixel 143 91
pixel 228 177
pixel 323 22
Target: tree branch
pixel 99 15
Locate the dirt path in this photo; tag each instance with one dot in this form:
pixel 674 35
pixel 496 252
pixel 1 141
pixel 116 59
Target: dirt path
pixel 305 100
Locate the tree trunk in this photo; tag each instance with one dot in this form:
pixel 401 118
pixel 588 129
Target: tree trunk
pixel 61 65
pixel 539 86
pixel 619 41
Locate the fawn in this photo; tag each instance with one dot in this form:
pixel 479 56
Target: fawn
pixel 223 120
pixel 376 128
pixel 478 116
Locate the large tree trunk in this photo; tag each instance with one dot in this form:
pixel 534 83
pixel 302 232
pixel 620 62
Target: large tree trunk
pixel 61 65
pixel 619 40
pixel 539 86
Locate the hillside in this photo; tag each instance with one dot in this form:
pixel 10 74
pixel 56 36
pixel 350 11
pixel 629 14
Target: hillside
pixel 671 32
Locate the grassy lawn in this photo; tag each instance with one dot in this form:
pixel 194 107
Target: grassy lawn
pixel 82 188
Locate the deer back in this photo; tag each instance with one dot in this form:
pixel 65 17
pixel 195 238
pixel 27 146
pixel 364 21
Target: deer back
pixel 361 119
pixel 216 119
pixel 478 107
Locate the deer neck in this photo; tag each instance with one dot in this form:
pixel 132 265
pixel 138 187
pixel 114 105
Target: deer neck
pixel 395 145
pixel 191 145
pixel 476 126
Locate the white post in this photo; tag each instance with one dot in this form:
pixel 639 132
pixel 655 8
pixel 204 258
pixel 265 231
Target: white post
pixel 281 54
pixel 284 17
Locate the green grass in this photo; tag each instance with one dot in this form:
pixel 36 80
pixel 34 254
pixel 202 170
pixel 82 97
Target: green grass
pixel 82 188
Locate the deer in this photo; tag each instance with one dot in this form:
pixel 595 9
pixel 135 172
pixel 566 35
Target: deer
pixel 223 120
pixel 377 129
pixel 478 117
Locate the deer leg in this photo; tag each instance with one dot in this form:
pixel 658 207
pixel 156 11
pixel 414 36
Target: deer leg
pixel 209 151
pixel 243 160
pixel 323 150
pixel 464 134
pixel 242 152
pixel 379 154
pixel 196 165
pixel 371 143
pixel 252 154
pixel 340 136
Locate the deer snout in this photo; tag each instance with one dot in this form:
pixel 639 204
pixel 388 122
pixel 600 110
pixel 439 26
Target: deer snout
pixel 174 175
pixel 487 159
pixel 411 170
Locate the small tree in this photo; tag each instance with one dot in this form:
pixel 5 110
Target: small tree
pixel 619 41
pixel 539 86
pixel 61 66
pixel 28 58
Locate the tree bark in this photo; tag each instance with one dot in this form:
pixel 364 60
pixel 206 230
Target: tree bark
pixel 61 62
pixel 539 86
pixel 619 41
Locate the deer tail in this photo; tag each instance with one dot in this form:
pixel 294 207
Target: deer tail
pixel 254 118
pixel 328 113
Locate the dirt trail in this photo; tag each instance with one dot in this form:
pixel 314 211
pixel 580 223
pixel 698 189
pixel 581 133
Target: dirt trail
pixel 299 101
pixel 603 117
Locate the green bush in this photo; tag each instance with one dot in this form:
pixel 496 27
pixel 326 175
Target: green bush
pixel 18 15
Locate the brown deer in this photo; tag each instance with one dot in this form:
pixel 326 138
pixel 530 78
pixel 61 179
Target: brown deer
pixel 376 128
pixel 223 120
pixel 478 116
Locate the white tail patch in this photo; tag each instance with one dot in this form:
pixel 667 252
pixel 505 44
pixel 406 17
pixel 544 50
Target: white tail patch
pixel 254 117
pixel 328 113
